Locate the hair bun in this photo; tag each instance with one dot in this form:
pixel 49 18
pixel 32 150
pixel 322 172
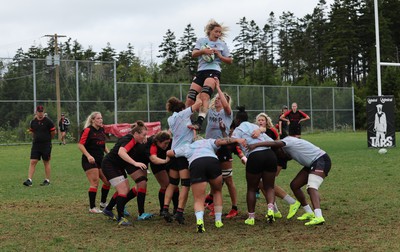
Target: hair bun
pixel 241 108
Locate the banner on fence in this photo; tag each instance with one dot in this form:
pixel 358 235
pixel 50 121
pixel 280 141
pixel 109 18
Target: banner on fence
pixel 121 129
pixel 381 121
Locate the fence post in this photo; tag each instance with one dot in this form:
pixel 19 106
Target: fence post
pixel 311 112
pixel 77 98
pixel 333 109
pixel 34 86
pixel 115 94
pixel 148 102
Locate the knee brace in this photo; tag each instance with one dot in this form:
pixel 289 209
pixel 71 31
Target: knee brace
pixel 192 94
pixel 314 181
pixel 140 179
pixel 174 181
pixel 208 90
pixel 227 173
pixel 185 182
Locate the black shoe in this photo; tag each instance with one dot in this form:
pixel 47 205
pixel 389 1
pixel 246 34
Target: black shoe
pixel 27 183
pixel 167 216
pixel 195 126
pixel 180 219
pixel 45 183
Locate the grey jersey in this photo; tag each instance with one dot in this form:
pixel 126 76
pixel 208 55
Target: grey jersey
pixel 198 149
pixel 244 130
pixel 178 122
pixel 301 150
pixel 213 118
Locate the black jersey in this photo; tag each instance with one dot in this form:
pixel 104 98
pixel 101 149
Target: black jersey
pixel 94 141
pixel 128 142
pixel 42 129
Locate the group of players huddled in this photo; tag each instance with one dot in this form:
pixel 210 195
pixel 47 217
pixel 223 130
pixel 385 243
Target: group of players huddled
pixel 180 156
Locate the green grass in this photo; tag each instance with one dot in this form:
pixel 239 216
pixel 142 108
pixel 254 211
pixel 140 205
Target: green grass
pixel 359 200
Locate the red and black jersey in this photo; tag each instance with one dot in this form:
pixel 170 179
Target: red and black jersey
pixel 155 150
pixel 272 133
pixel 42 129
pixel 295 117
pixel 128 142
pixel 94 141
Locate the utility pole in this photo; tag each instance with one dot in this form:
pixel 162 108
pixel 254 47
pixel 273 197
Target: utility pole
pixel 57 64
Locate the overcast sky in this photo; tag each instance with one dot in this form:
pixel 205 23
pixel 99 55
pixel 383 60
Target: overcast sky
pixel 143 23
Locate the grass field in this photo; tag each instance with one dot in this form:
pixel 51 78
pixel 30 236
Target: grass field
pixel 359 200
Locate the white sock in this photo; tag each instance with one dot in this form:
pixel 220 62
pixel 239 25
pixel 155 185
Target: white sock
pixel 199 215
pixel 289 199
pixel 252 215
pixel 318 212
pixel 276 208
pixel 218 213
pixel 307 208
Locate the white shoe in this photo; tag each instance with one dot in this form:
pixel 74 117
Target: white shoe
pixel 94 210
pixel 103 204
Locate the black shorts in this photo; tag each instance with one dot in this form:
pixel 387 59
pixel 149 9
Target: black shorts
pixel 261 161
pixel 203 169
pixel 110 171
pixel 295 129
pixel 157 168
pixel 282 163
pixel 323 163
pixel 178 164
pixel 41 150
pixel 87 166
pixel 201 76
pixel 131 169
pixel 224 154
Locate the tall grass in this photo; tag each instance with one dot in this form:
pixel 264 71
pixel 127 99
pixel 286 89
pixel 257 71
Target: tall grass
pixel 359 200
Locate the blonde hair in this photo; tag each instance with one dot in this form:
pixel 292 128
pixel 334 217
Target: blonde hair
pixel 227 97
pixel 267 119
pixel 90 119
pixel 212 24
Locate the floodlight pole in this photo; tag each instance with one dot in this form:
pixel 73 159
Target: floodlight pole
pixel 378 53
pixel 58 93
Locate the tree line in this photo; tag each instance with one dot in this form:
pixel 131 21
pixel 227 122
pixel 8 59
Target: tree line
pixel 332 46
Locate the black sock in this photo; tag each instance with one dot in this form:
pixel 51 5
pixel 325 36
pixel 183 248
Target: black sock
pixel 161 196
pixel 121 201
pixel 234 207
pixel 141 196
pixel 131 194
pixel 92 197
pixel 112 202
pixel 175 198
pixel 104 193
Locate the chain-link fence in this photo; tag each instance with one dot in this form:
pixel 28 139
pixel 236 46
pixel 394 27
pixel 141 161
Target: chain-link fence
pixel 88 86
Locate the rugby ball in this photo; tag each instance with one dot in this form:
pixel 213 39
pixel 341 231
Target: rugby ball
pixel 207 57
pixel 382 151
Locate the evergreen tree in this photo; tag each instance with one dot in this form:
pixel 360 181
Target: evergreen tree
pixel 169 53
pixel 241 45
pixel 186 45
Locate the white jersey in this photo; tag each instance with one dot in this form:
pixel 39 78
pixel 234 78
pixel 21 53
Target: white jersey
pixel 213 119
pixel 301 150
pixel 215 64
pixel 244 130
pixel 178 122
pixel 198 149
